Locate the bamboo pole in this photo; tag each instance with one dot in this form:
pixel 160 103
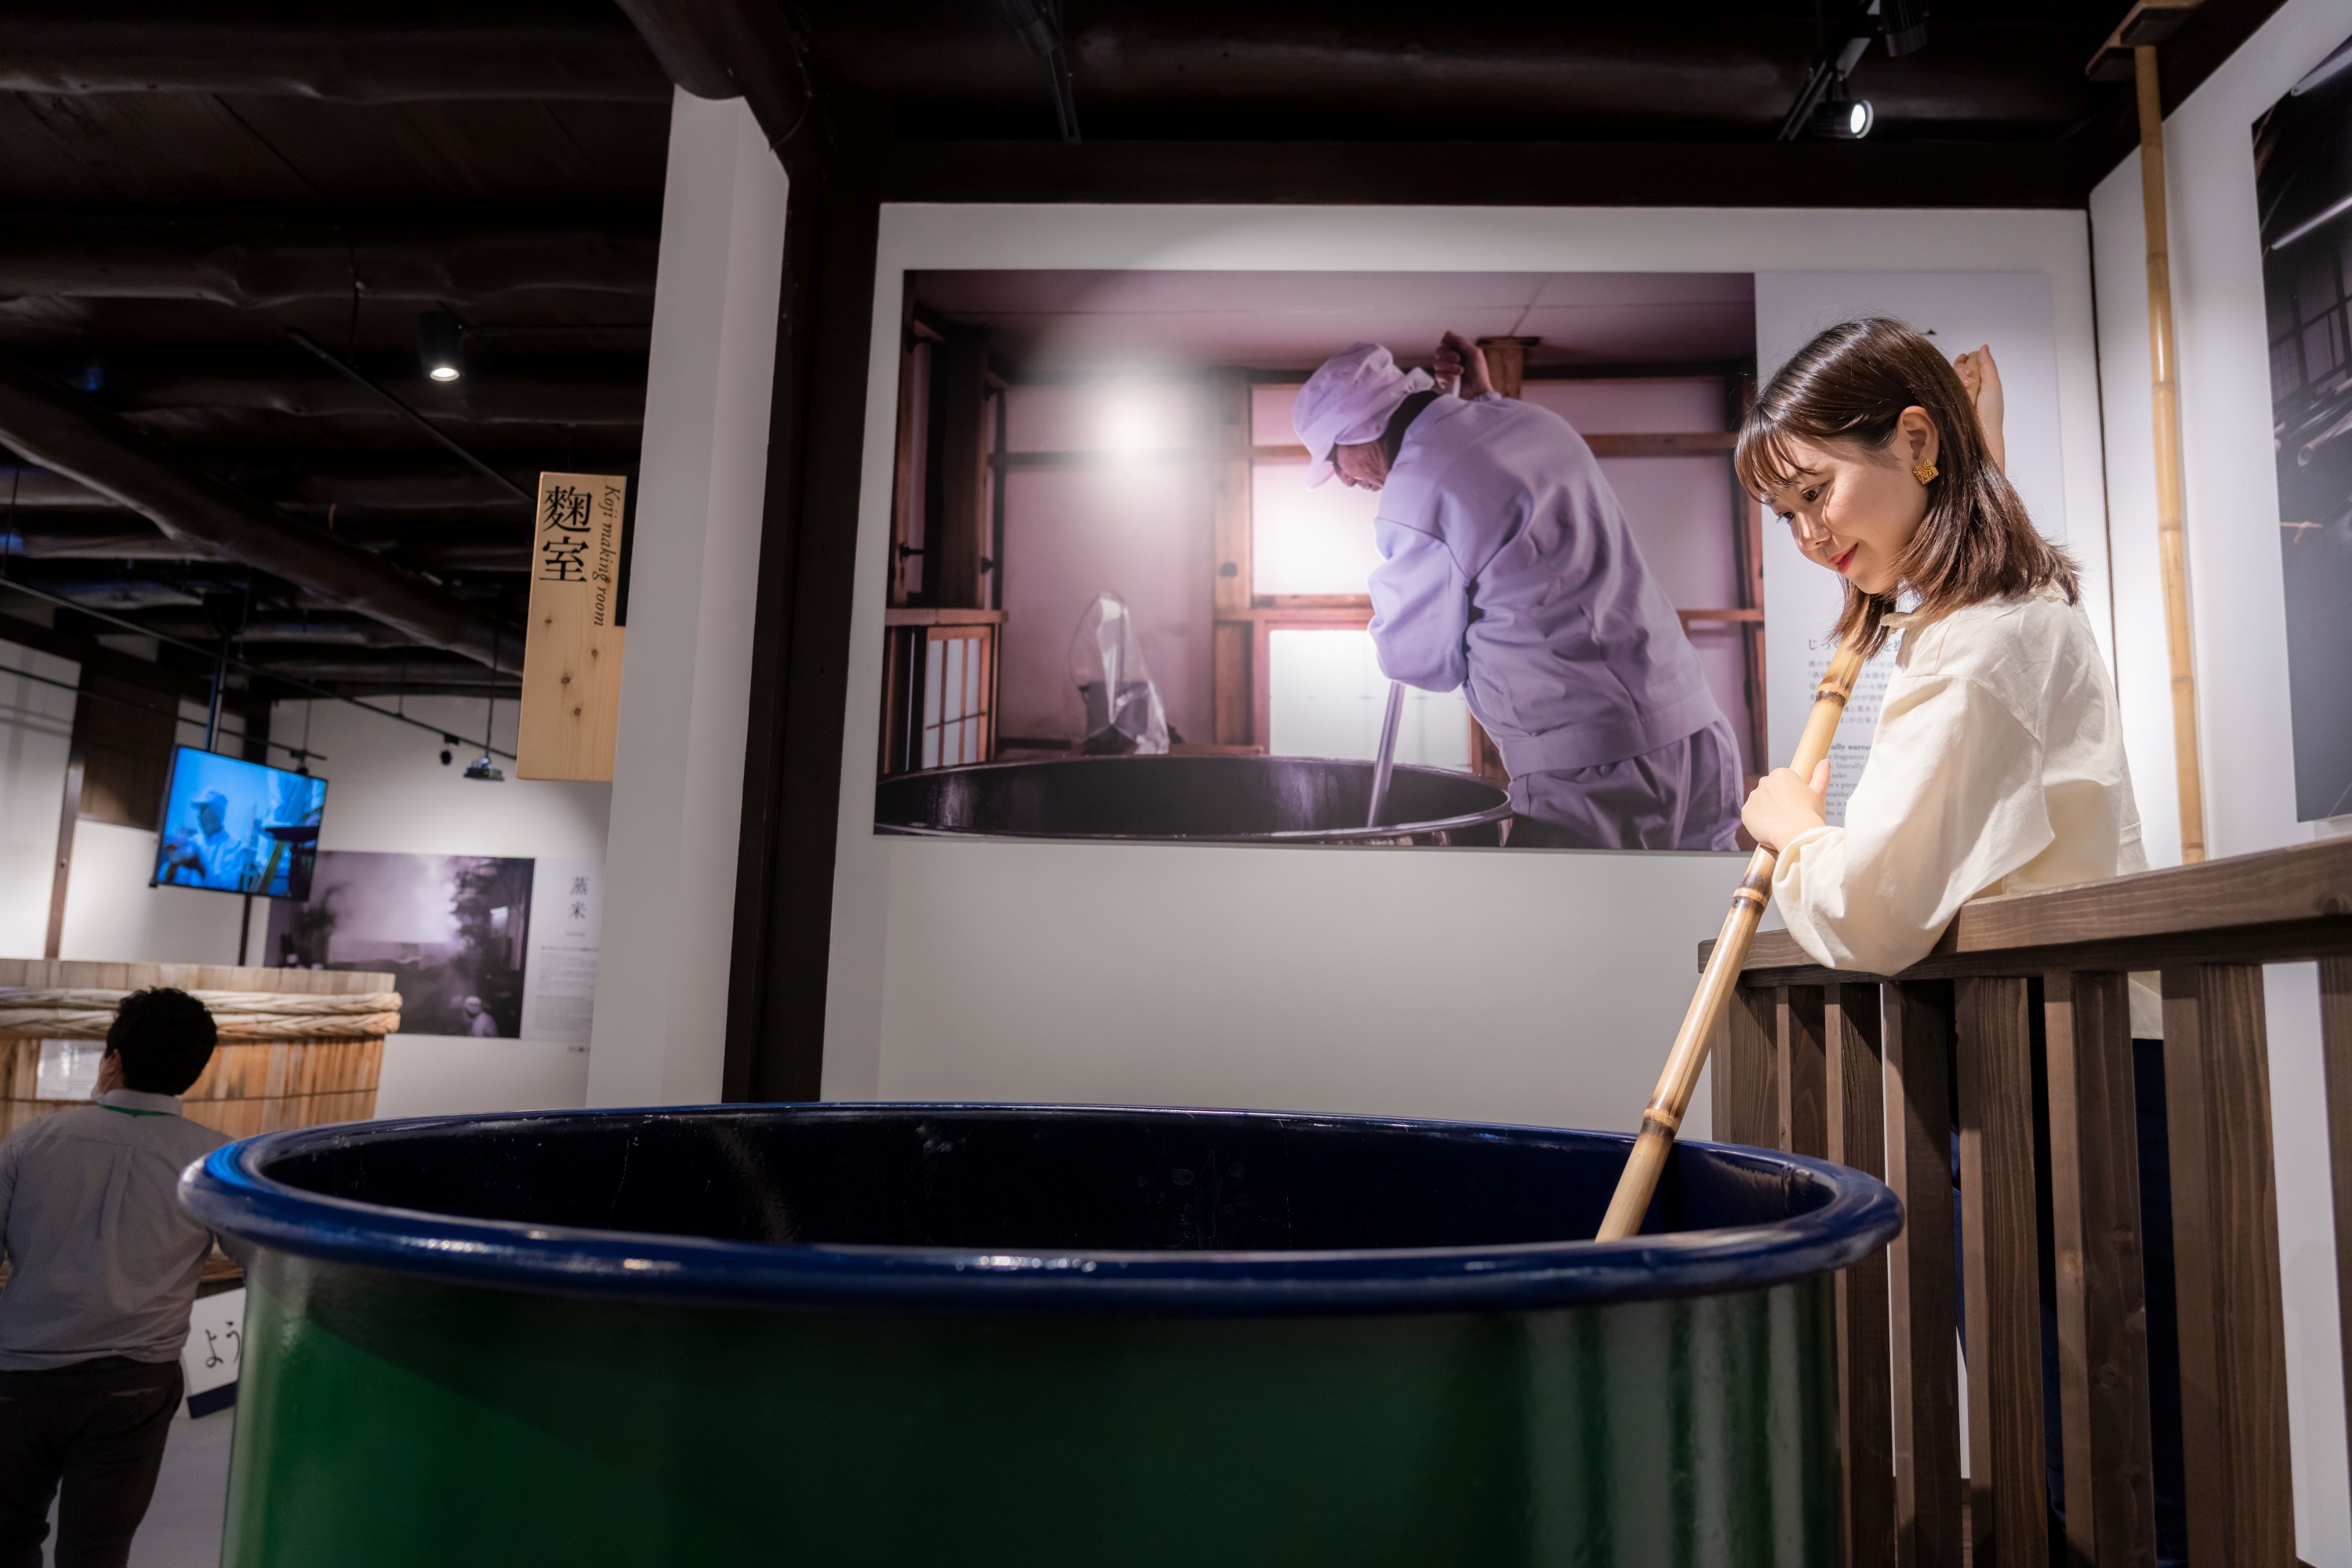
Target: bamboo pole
pixel 1671 1101
pixel 2171 541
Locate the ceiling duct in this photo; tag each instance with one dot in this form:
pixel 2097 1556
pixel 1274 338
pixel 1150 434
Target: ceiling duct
pixel 68 435
pixel 730 48
pixel 255 265
pixel 77 49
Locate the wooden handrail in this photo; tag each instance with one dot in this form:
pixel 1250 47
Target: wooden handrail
pixel 2273 907
pixel 2011 1044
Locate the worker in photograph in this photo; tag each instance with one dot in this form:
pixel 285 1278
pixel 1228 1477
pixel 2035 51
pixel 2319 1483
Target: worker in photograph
pixel 1507 569
pixel 215 856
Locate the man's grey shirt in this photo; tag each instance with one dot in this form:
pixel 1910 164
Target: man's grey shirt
pixel 102 1260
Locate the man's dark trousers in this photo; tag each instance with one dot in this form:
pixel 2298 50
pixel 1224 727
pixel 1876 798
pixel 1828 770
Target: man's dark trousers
pixel 98 1427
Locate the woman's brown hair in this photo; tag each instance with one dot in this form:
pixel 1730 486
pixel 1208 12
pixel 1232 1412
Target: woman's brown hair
pixel 1850 386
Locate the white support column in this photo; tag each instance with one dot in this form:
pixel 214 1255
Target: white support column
pixel 677 775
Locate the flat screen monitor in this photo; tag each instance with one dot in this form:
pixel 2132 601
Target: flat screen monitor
pixel 236 826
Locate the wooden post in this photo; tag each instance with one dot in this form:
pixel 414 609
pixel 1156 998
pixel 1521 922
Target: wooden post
pixel 2336 1047
pixel 1917 1024
pixel 1747 1088
pixel 1507 362
pixel 2226 1262
pixel 2170 539
pixel 69 814
pixel 2009 1509
pixel 1856 1087
pixel 1232 707
pixel 1803 1103
pixel 961 405
pixel 2102 1306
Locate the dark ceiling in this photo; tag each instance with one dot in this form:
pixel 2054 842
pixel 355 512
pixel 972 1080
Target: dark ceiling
pixel 183 188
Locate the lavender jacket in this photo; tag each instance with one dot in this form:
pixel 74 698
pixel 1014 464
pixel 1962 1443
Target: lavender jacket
pixel 1508 568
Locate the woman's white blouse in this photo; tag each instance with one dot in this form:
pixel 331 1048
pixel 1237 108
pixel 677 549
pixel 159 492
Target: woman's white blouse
pixel 1998 767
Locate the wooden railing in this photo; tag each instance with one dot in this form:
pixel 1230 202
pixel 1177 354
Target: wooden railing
pixel 1855 1067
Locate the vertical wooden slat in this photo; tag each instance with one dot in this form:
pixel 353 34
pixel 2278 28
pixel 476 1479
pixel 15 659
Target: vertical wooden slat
pixel 2336 1045
pixel 1801 1103
pixel 2226 1260
pixel 1231 720
pixel 2008 1508
pixel 2102 1367
pixel 1745 1093
pixel 1856 1079
pixel 1917 1024
pixel 959 400
pixel 1233 716
pixel 61 864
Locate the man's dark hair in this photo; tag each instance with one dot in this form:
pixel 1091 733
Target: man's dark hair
pixel 165 1038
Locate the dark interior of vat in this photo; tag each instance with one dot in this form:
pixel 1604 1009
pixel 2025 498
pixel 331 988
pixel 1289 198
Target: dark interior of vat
pixel 1172 797
pixel 1085 1180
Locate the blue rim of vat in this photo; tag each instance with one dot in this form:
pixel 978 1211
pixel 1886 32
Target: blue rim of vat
pixel 228 1191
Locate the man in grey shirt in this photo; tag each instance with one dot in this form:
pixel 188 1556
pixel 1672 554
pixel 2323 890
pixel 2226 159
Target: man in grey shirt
pixel 102 1271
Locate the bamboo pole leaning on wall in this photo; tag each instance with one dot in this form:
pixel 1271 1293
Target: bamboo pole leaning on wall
pixel 2170 539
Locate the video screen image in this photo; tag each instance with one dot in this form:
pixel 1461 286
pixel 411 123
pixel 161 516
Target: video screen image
pixel 236 826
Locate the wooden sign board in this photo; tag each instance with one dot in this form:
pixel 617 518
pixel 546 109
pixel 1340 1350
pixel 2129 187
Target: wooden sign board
pixel 571 652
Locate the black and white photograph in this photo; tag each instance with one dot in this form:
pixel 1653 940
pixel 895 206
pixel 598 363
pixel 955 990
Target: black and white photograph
pixel 2302 161
pixel 453 929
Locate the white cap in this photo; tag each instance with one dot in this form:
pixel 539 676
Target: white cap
pixel 1348 402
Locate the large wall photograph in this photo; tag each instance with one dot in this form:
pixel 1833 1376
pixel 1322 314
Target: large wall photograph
pixel 1119 606
pixel 2302 180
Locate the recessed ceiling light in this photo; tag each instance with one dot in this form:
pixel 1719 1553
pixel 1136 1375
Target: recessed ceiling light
pixel 441 345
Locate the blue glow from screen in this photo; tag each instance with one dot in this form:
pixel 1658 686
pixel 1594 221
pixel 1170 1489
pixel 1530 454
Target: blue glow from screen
pixel 237 827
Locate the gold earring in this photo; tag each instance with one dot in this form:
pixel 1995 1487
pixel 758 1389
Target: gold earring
pixel 1924 471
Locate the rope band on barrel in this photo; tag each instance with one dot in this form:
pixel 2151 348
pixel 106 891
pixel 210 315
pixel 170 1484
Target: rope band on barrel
pixel 85 1013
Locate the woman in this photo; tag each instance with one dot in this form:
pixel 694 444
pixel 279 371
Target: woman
pixel 1999 761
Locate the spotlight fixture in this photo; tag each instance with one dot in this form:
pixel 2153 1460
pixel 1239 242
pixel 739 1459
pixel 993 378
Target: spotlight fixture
pixel 441 345
pixel 1903 25
pixel 1840 118
pixel 484 770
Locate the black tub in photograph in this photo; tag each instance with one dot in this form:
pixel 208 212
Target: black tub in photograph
pixel 1208 799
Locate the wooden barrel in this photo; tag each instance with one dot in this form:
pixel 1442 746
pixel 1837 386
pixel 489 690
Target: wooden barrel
pixel 306 1074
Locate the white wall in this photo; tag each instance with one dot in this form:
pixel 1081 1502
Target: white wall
pixel 389 793
pixel 677 775
pixel 112 912
pixel 1520 985
pixel 2236 601
pixel 113 916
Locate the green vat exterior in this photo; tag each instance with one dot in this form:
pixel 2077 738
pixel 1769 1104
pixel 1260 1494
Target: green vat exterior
pixel 388 1419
